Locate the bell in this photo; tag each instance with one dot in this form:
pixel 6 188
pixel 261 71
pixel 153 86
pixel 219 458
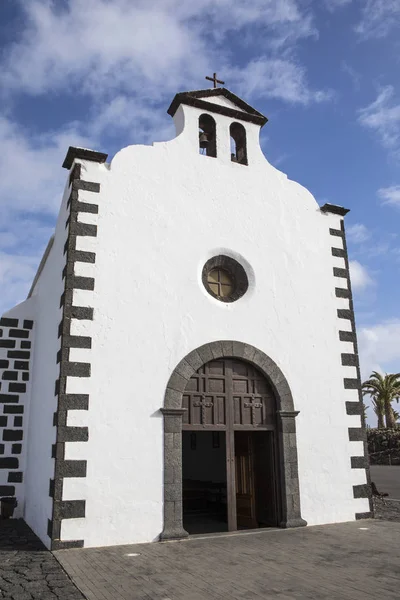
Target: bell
pixel 203 139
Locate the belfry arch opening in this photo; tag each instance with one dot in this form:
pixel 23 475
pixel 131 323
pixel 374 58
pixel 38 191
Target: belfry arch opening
pixel 207 135
pixel 238 143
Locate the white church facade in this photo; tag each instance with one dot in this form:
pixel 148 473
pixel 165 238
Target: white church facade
pixel 186 359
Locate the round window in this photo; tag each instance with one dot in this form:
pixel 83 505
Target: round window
pixel 224 278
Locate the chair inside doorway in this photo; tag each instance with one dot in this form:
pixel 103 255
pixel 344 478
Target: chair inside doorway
pixel 204 482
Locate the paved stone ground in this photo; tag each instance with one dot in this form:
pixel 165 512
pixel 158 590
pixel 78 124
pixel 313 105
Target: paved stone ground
pixel 28 570
pixel 349 561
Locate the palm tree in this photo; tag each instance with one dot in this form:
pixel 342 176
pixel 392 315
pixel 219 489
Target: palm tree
pixel 383 389
pixel 379 409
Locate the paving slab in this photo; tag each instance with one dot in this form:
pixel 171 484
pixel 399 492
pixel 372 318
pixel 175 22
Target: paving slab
pixel 347 561
pixel 28 571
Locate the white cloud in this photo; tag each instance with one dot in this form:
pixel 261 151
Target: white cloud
pixel 390 195
pixel 352 73
pixel 379 347
pixel 102 46
pixel 383 117
pixel 276 78
pixel 357 233
pixel 332 5
pixel 378 18
pixel 360 279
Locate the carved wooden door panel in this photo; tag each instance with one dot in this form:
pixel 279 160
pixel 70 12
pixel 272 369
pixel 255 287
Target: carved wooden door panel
pixel 205 397
pixel 231 395
pixel 228 393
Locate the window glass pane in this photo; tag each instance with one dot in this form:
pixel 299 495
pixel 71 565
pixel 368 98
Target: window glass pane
pixel 214 287
pixel 225 277
pixel 226 290
pixel 213 276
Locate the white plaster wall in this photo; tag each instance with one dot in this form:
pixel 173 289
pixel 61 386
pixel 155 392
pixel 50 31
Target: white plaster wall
pixel 45 371
pixel 163 211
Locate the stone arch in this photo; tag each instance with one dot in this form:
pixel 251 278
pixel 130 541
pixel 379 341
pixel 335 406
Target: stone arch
pixel 173 411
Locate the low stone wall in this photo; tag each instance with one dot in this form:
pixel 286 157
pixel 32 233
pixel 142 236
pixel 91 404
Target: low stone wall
pixel 384 446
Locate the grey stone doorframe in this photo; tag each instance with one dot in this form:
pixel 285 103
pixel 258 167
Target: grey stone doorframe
pixel 173 411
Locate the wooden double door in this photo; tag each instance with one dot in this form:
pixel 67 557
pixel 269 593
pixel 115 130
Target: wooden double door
pixel 231 395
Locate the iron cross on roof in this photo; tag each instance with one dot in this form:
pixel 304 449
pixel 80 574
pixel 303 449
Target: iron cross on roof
pixel 215 80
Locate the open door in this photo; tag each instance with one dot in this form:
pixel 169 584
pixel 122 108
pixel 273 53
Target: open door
pixel 263 446
pixel 245 488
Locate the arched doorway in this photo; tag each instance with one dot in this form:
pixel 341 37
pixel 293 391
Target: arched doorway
pixel 230 472
pixel 174 412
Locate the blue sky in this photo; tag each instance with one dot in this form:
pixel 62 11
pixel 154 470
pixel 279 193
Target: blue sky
pixel 101 74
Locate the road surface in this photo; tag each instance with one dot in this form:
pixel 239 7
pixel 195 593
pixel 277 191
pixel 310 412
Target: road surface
pixel 387 479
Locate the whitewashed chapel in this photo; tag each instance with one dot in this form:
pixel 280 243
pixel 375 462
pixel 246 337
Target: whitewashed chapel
pixel 186 360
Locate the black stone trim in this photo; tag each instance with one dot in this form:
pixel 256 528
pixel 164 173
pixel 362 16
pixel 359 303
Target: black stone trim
pixel 79 312
pixel 18 333
pixel 88 186
pixel 364 515
pixel 60 545
pixel 356 434
pixel 10 376
pixel 13 409
pixel 336 232
pixel 66 468
pixel 83 154
pixel 336 210
pixel 7 343
pixel 79 283
pixel 9 463
pixel 7 490
pixel 17 387
pixel 18 354
pixel 26 344
pixel 347 336
pixel 338 252
pixel 344 313
pixel 72 468
pixel 358 462
pixel 351 383
pixel 9 398
pixel 342 293
pixel 12 435
pixel 236 271
pixel 6 322
pixel 77 341
pixel 81 256
pixel 362 490
pixel 4 364
pixel 194 98
pixel 15 477
pixel 73 402
pixel 340 272
pixel 21 365
pixel 77 369
pixel 69 509
pixel 83 229
pixel 73 434
pixel 350 360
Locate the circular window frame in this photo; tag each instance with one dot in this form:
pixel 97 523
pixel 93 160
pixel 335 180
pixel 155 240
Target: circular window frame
pixel 236 272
